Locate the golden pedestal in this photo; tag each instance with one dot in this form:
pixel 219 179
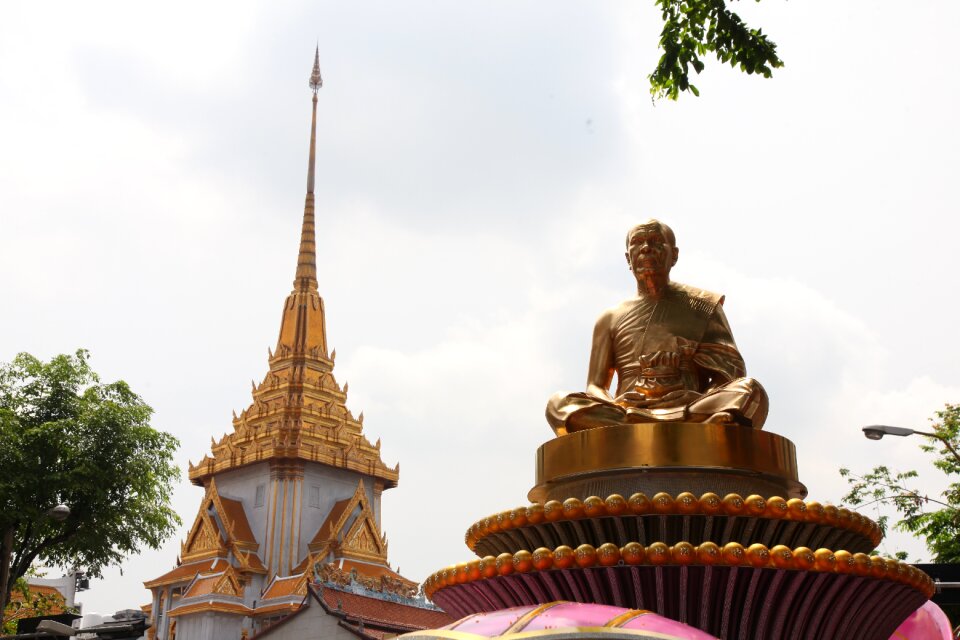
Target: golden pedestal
pixel 666 456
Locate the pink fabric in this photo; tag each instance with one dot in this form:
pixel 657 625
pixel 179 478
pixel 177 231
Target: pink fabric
pixel 929 622
pixel 572 614
pixel 490 624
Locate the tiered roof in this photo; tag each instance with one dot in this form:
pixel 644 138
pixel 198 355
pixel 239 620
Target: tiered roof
pixel 299 410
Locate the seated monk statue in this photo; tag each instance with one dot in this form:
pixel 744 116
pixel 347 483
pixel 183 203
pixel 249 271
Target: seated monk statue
pixel 671 349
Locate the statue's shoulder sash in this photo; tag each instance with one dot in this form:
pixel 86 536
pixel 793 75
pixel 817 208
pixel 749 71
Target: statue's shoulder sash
pixel 685 313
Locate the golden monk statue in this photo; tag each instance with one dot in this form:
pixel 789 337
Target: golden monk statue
pixel 671 349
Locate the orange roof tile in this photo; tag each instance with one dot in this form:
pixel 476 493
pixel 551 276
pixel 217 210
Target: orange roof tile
pixel 182 573
pixel 325 529
pixel 238 518
pixel 204 585
pixel 384 612
pixel 372 570
pixel 282 587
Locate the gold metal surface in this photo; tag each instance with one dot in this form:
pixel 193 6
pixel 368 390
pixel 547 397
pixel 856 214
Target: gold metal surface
pixel 671 348
pixel 648 447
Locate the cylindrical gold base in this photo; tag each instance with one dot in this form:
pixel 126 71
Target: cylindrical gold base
pixel 666 456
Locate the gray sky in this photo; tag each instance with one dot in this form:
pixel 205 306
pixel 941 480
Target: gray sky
pixel 478 165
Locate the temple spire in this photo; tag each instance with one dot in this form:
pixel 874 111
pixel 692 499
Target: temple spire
pixel 306 277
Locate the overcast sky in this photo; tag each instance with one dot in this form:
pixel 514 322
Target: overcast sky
pixel 478 165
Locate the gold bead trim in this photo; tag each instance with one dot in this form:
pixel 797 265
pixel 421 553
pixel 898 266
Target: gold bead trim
pixel 732 554
pixel 684 504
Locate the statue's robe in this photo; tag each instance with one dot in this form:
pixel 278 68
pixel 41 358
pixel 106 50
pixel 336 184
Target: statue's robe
pixel 679 352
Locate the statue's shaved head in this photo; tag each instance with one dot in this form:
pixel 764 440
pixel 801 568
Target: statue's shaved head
pixel 649 223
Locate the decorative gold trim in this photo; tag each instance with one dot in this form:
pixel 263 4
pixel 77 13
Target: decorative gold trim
pixel 626 617
pixel 681 554
pixel 525 619
pixel 221 607
pixel 663 503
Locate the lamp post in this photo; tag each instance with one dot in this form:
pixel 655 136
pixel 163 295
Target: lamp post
pixel 877 431
pixel 58 513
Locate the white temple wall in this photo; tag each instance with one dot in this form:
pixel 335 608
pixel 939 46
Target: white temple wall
pixel 209 626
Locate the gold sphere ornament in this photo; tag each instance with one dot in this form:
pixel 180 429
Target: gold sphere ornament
pixel 572 508
pixel 488 566
pixel 796 509
pixel 594 507
pixel 687 503
pixel 552 510
pixel 803 558
pixel 815 512
pixel 758 555
pixel 862 564
pixel 664 503
pixel 845 563
pixel 639 504
pixel 878 567
pixel 733 554
pixel 518 517
pixel 733 504
pixel 658 553
pixel 894 569
pixel 523 561
pixel 505 563
pixel 844 518
pixel 782 557
pixel 473 570
pixel 450 576
pixel 615 504
pixel 461 569
pixel 776 507
pixel 608 554
pixel 542 559
pixel 563 557
pixel 824 560
pixel 710 503
pixel 709 553
pixel 633 553
pixel 683 553
pixel 831 513
pixel 586 556
pixel 755 505
pixel 535 513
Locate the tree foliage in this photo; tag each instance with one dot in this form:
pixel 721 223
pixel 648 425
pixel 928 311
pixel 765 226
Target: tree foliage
pixel 691 28
pixel 66 438
pixel 935 519
pixel 26 602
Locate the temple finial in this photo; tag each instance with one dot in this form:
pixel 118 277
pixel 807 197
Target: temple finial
pixel 315 80
pixel 306 278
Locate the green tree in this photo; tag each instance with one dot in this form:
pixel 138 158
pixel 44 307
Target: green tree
pixel 27 602
pixel 935 519
pixel 691 28
pixel 66 438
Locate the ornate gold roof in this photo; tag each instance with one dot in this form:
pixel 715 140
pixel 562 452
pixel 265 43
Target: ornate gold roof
pixel 299 410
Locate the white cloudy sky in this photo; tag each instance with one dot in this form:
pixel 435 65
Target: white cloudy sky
pixel 478 165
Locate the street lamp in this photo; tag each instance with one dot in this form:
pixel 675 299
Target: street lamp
pixel 877 431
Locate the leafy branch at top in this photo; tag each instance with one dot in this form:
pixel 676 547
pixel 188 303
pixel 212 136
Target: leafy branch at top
pixel 691 28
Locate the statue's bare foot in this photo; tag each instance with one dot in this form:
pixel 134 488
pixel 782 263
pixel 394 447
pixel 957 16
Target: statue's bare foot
pixel 722 417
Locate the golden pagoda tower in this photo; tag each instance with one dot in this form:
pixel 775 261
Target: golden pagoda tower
pixel 292 495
